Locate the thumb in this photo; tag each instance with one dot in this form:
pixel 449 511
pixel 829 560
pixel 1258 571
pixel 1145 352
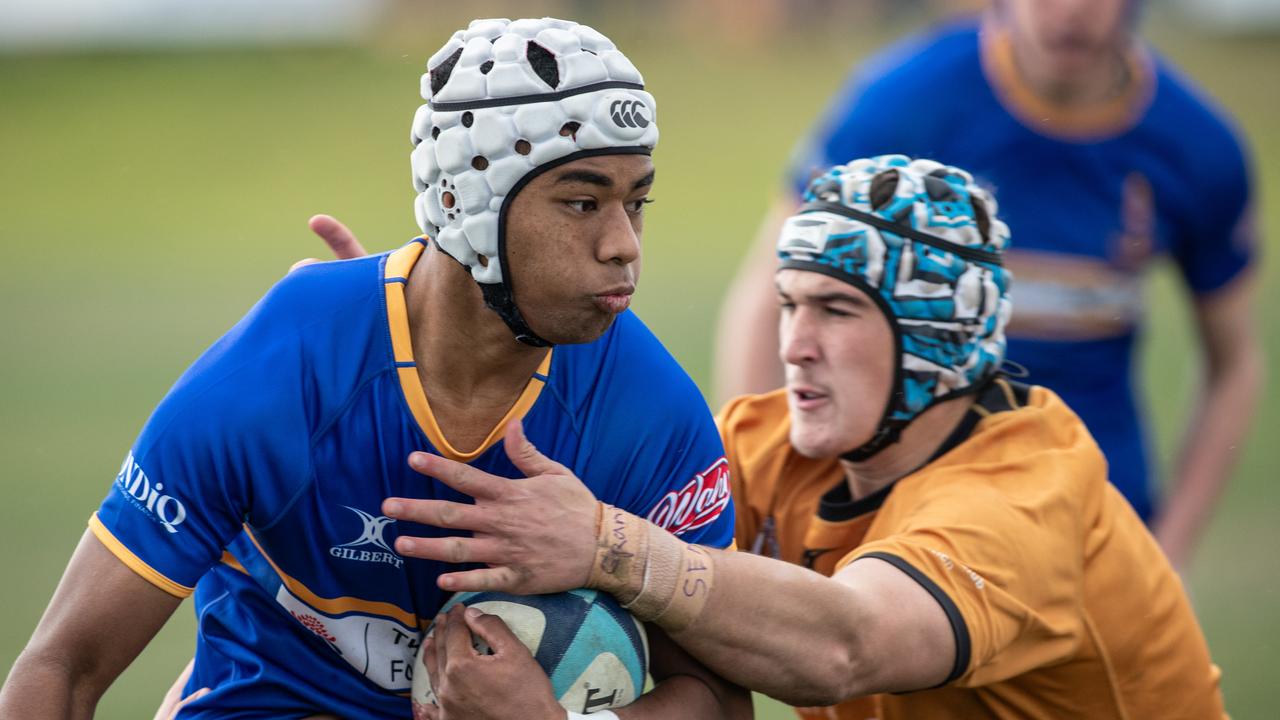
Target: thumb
pixel 493 631
pixel 527 458
pixel 337 236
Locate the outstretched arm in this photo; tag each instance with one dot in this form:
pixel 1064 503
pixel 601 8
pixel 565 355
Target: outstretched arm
pixel 1229 392
pixel 763 624
pixel 746 352
pixel 101 616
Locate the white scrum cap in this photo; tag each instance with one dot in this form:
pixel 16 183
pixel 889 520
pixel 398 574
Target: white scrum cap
pixel 506 101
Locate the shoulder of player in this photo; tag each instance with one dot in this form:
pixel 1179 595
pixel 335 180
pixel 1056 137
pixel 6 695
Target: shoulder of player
pixel 1182 109
pixel 261 365
pixel 1030 419
pixel 1031 448
pixel 310 315
pixel 315 292
pixel 931 57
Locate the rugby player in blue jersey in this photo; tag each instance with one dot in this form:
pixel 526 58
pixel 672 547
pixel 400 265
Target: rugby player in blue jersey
pixel 258 483
pixel 1105 159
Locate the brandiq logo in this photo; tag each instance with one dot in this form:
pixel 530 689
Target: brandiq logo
pixel 164 509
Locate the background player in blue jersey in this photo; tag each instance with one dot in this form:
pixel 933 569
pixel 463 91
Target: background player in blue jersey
pixel 1105 159
pixel 258 482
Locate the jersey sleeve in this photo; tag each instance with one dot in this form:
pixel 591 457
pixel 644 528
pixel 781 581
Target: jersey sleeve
pixel 228 440
pixel 1218 240
pixel 1006 574
pixel 653 422
pixel 746 519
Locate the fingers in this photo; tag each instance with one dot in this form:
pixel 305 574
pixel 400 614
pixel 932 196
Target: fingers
pixel 493 631
pixel 429 659
pixel 502 578
pixel 438 513
pixel 337 236
pixel 456 550
pixel 457 636
pixel 442 654
pixel 463 478
pixel 525 456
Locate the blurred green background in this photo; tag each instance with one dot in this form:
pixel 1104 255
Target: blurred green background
pixel 150 197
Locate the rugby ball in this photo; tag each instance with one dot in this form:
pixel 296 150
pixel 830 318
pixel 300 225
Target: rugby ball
pixel 595 652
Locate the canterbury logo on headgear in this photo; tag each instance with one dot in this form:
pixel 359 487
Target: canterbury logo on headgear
pixel 629 113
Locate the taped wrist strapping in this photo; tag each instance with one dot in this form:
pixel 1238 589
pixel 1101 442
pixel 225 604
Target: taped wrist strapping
pixel 654 574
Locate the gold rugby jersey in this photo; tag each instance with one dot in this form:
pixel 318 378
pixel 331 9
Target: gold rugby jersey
pixel 1061 602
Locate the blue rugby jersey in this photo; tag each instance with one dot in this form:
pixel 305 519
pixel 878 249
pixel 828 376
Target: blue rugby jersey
pixel 258 482
pixel 1091 199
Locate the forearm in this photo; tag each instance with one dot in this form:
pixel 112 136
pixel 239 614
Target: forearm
pixel 797 641
pixel 40 685
pixel 712 603
pixel 746 352
pixel 1211 445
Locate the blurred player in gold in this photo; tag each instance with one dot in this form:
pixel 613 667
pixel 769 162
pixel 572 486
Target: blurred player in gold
pixel 931 539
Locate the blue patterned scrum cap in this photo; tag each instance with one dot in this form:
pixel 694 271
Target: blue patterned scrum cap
pixel 930 260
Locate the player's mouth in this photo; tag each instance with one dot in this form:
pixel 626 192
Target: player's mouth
pixel 807 397
pixel 614 300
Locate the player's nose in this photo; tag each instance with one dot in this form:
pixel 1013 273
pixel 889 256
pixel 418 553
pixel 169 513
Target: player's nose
pixel 620 241
pixel 798 338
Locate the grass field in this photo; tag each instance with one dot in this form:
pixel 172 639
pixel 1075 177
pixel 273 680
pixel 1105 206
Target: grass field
pixel 149 199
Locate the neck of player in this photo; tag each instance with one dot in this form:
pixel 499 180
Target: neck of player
pixel 471 367
pixel 917 444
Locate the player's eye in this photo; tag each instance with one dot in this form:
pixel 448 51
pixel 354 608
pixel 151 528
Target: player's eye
pixel 836 312
pixel 582 206
pixel 635 207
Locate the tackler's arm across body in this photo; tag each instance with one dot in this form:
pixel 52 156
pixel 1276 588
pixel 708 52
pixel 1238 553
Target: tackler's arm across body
pixel 808 640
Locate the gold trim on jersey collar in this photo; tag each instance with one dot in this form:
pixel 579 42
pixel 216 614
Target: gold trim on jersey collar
pixel 1096 122
pixel 399 264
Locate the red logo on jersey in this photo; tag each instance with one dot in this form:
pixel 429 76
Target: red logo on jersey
pixel 315 625
pixel 697 504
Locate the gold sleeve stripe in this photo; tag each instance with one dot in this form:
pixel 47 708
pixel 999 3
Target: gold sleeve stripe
pixel 135 563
